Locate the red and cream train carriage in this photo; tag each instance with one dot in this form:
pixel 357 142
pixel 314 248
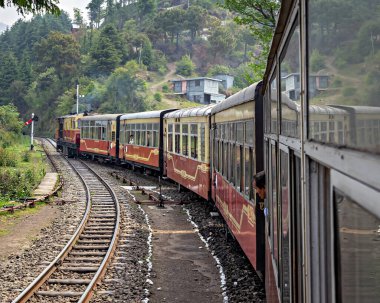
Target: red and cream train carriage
pixel 237 156
pixel 99 136
pixel 141 139
pixel 67 134
pixel 187 148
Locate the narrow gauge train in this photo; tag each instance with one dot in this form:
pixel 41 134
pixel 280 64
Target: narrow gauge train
pixel 322 213
pixel 322 160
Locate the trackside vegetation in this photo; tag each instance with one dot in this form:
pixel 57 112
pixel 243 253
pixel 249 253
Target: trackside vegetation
pixel 21 170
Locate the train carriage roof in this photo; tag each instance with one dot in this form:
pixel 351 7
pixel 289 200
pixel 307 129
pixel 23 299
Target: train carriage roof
pixel 71 116
pixel 359 109
pixel 145 115
pixel 191 112
pixel 243 96
pixel 101 117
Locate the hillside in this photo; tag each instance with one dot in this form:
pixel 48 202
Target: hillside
pixel 121 59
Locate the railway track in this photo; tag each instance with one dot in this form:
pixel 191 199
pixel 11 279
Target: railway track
pixel 80 265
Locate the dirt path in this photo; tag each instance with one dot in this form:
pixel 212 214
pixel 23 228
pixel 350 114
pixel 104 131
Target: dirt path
pixel 171 72
pixel 19 231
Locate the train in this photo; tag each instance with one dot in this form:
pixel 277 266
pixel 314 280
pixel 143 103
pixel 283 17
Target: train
pixel 315 237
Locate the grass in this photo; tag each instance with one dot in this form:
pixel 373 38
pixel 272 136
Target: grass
pixel 22 171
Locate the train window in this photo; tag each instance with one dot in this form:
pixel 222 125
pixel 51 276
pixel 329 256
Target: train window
pixel 203 142
pixel 343 68
pixel 232 163
pixel 109 130
pixel 227 131
pixel 239 168
pixel 232 131
pixel 185 139
pixel 248 169
pixel 194 141
pixel 240 132
pixel 358 233
pixel 170 142
pixel 220 157
pixel 273 113
pixel 285 227
pixel 177 136
pixel 225 159
pixel 290 85
pixel 249 132
pixel 274 202
pixel 216 155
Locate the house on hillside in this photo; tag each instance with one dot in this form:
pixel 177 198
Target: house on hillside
pixel 292 88
pixel 227 80
pixel 202 90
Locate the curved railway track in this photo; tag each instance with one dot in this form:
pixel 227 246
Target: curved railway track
pixel 78 268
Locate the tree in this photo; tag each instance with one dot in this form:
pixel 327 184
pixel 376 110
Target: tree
pixel 33 6
pixel 185 66
pixel 222 41
pixel 124 91
pixel 146 8
pixel 171 21
pixel 259 15
pixel 107 52
pixel 61 52
pixel 95 12
pixel 196 18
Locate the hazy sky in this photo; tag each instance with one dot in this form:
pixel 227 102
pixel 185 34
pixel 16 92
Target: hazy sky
pixel 9 15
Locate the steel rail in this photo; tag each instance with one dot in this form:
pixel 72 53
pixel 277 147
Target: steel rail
pixel 103 266
pixel 48 271
pixel 44 276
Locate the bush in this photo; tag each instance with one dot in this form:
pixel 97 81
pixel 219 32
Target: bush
pixel 165 88
pixel 7 158
pixel 349 91
pixel 185 66
pixel 316 61
pixel 26 156
pixel 157 97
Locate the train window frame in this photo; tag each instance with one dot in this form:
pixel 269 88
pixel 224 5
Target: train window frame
pixel 193 141
pixel 185 139
pixel 361 194
pixel 282 130
pixel 284 151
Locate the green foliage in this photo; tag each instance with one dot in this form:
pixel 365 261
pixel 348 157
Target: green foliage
pixel 185 66
pixel 316 61
pixel 157 97
pixel 349 91
pixel 165 88
pixel 222 41
pixel 10 124
pixel 33 6
pixel 218 70
pixel 124 90
pixel 61 52
pixel 107 52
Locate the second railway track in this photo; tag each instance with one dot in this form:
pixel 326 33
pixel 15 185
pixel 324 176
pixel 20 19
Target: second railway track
pixel 78 268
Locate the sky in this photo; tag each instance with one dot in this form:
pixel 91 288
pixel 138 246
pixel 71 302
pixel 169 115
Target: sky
pixel 9 15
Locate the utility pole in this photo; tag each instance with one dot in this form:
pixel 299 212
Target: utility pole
pixel 31 133
pixel 77 98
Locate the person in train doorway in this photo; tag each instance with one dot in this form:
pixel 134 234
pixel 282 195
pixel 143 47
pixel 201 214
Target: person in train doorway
pixel 259 186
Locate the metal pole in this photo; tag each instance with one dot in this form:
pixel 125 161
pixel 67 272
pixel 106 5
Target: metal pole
pixel 31 133
pixel 77 98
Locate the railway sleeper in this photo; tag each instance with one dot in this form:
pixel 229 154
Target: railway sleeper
pixel 80 269
pixel 69 281
pixel 105 241
pixel 81 265
pixel 59 293
pixel 85 259
pixel 94 237
pixel 91 247
pixel 87 253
